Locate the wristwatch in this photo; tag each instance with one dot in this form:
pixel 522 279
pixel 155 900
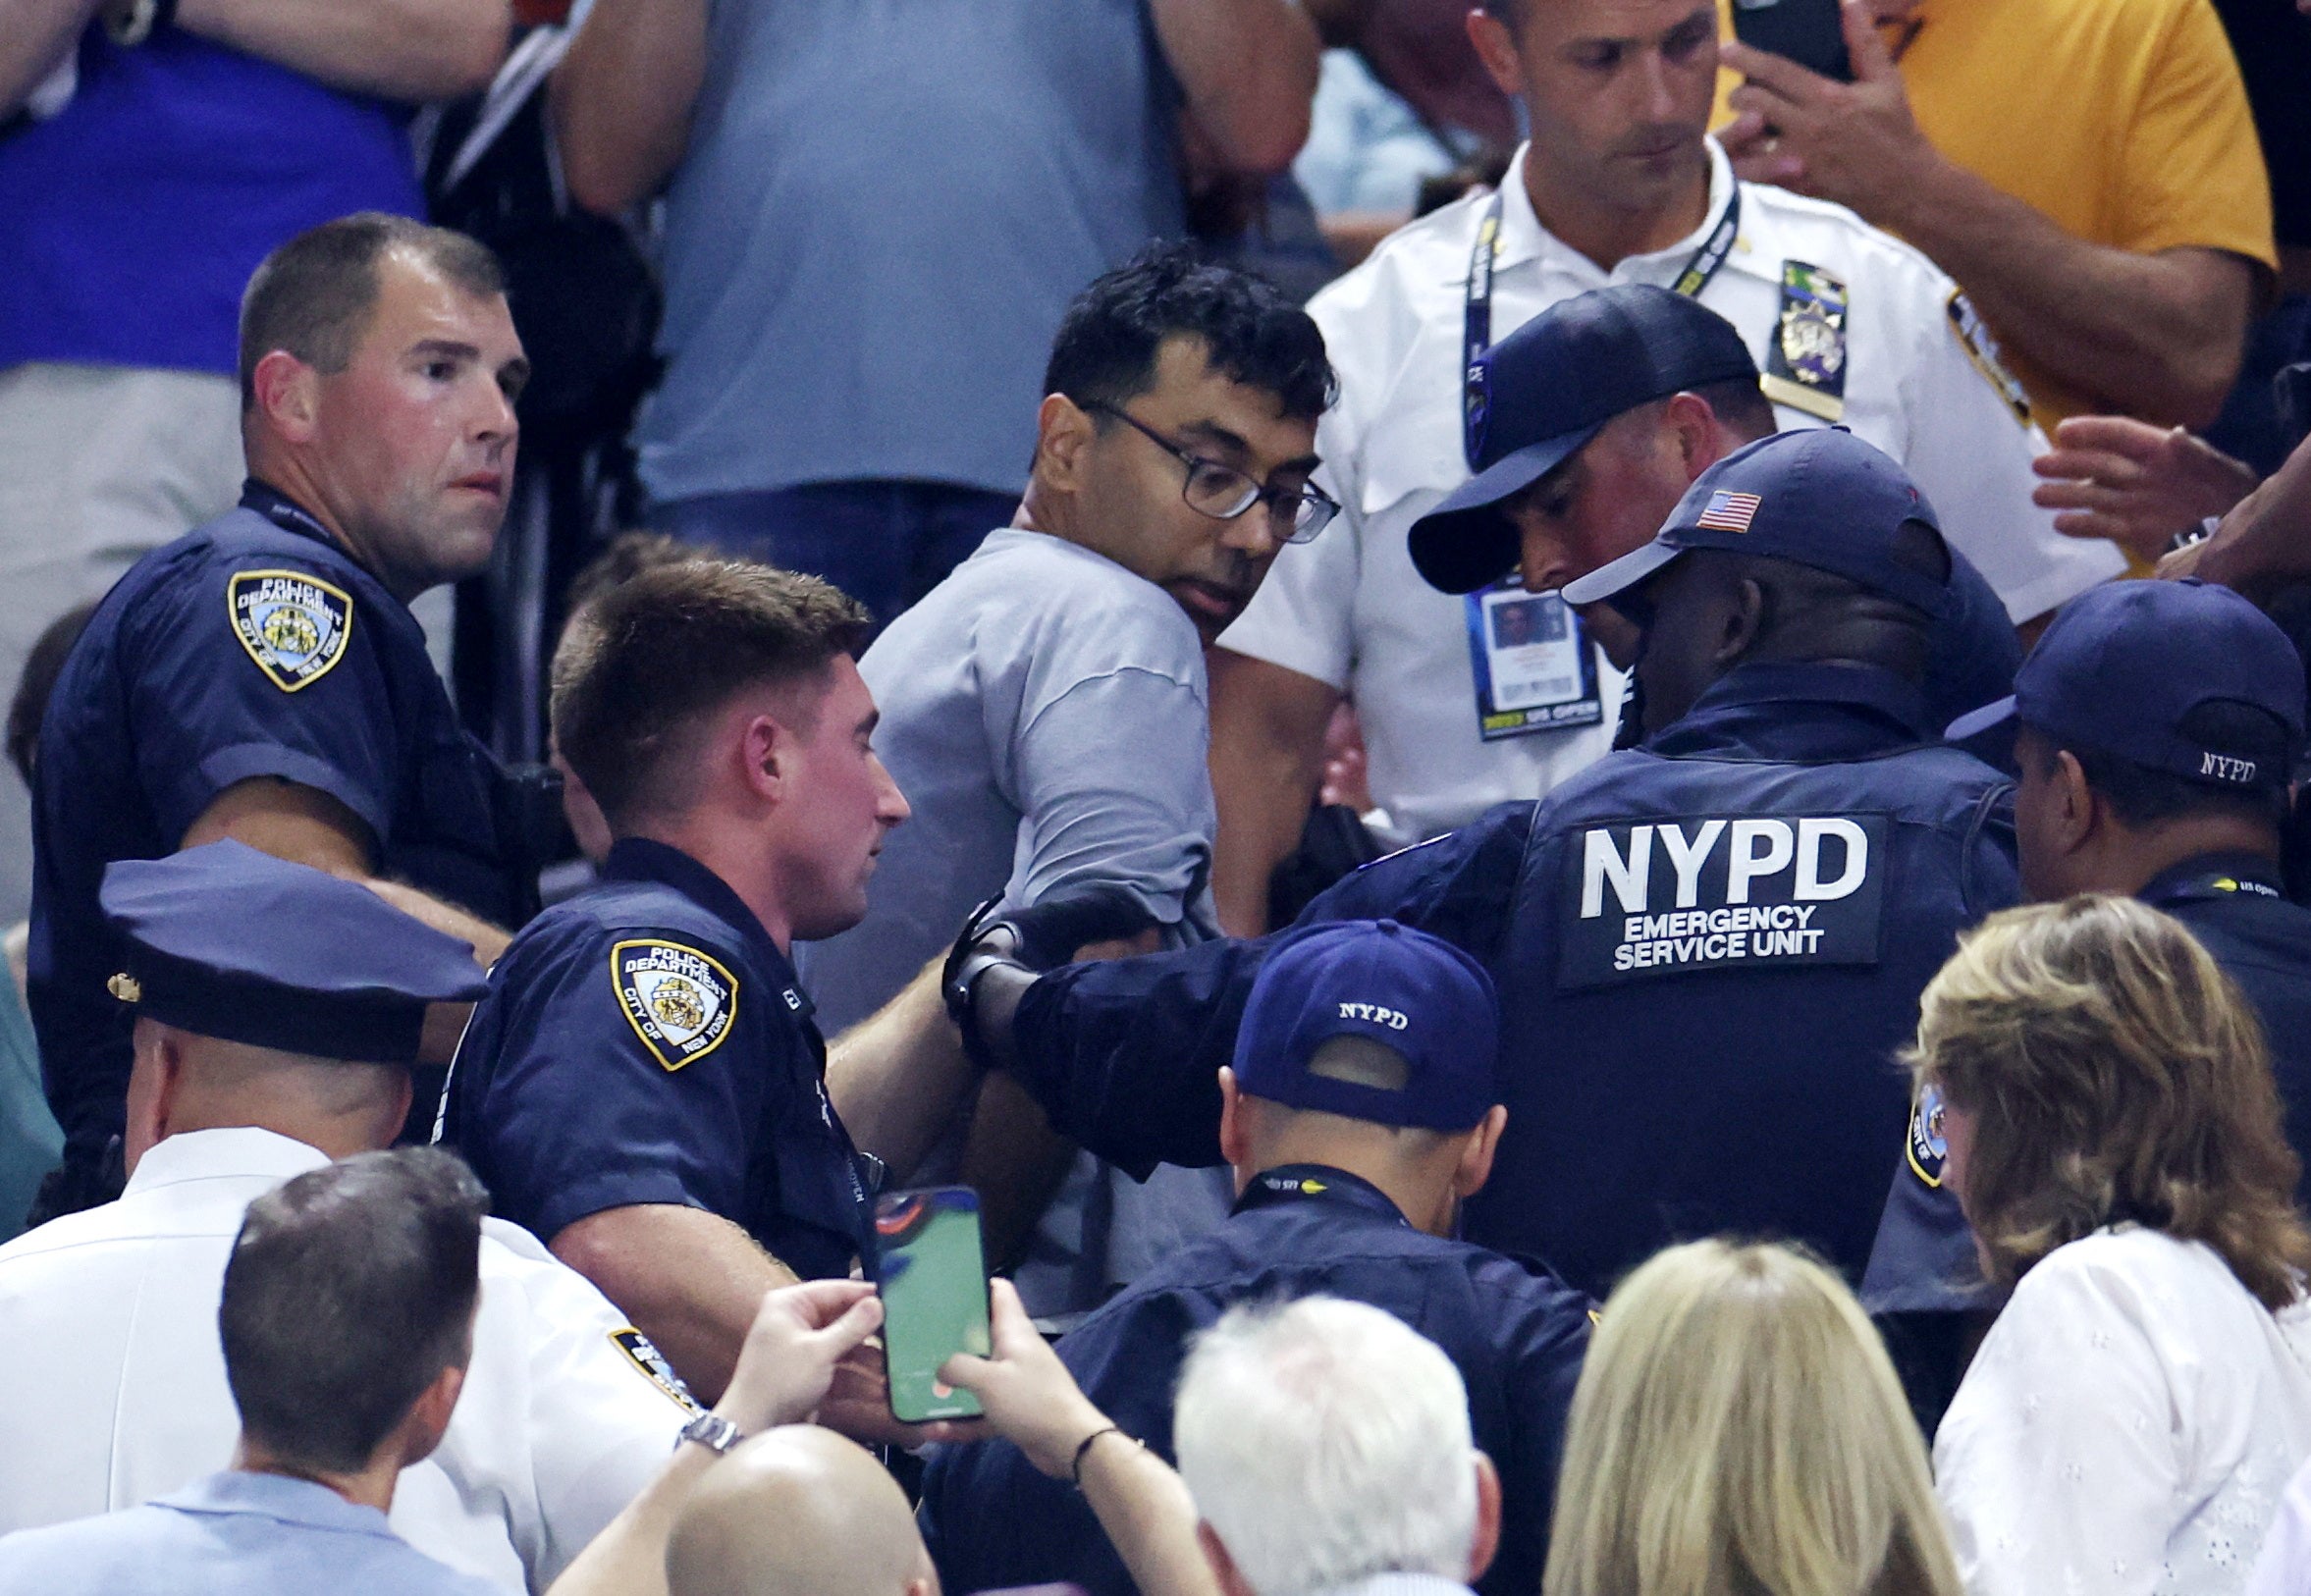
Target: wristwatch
pixel 712 1431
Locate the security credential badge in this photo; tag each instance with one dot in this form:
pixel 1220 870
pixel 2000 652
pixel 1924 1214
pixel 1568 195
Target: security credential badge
pixel 292 624
pixel 1533 668
pixel 1640 900
pixel 1806 366
pixel 680 1002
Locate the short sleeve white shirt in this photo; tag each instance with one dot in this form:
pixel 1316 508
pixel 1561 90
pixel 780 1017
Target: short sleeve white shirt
pixel 2128 1428
pixel 1350 611
pixel 111 1320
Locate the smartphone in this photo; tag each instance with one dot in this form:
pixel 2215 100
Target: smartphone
pixel 1807 32
pixel 932 1275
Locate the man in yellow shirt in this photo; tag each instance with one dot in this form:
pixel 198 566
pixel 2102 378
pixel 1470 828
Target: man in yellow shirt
pixel 2086 168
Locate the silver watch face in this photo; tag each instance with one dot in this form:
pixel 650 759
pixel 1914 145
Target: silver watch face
pixel 713 1431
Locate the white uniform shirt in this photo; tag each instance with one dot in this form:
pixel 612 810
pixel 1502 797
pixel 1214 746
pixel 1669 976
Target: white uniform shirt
pixel 1349 609
pixel 118 1395
pixel 2128 1428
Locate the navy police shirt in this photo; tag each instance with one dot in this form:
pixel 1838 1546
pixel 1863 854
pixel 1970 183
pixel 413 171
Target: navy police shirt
pixel 254 646
pixel 1515 1332
pixel 1708 950
pixel 646 1042
pixel 2235 905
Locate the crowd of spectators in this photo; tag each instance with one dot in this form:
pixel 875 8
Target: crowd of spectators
pixel 1560 760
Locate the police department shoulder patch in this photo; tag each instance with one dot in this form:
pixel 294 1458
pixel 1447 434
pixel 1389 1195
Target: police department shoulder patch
pixel 680 1002
pixel 643 1353
pixel 1927 1146
pixel 293 624
pixel 1973 335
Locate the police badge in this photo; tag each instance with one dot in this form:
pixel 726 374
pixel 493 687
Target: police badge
pixel 1806 367
pixel 293 625
pixel 680 1002
pixel 1928 1146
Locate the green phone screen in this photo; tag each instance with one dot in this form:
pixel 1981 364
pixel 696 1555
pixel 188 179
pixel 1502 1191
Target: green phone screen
pixel 933 1277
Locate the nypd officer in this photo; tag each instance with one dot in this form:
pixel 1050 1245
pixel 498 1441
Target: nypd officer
pixel 276 1010
pixel 2155 728
pixel 643 1087
pixel 262 678
pixel 1361 1111
pixel 1619 184
pixel 1709 946
pixel 1599 412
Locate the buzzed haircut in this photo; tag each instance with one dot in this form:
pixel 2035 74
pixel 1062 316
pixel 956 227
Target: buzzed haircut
pixel 1108 341
pixel 349 1291
pixel 2142 797
pixel 314 295
pixel 1741 408
pixel 643 664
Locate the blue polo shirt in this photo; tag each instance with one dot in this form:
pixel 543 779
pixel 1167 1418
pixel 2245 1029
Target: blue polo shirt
pixel 647 1042
pixel 134 217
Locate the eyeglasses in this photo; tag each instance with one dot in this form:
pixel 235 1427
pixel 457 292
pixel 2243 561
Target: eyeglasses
pixel 1225 493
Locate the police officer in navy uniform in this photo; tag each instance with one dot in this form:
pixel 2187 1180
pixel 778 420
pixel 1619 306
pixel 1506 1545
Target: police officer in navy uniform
pixel 1599 413
pixel 643 1088
pixel 262 679
pixel 2155 728
pixel 1361 1110
pixel 1709 945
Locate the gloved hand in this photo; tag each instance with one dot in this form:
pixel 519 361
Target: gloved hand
pixel 998 956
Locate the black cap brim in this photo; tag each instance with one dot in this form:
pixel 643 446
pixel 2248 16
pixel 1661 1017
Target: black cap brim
pixel 1466 543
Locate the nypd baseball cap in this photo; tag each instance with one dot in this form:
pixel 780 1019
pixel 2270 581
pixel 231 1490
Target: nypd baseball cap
pixel 2123 667
pixel 1416 994
pixel 1817 497
pixel 1550 387
pixel 226 941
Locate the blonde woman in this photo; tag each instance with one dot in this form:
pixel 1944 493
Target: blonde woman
pixel 2114 1137
pixel 1738 1429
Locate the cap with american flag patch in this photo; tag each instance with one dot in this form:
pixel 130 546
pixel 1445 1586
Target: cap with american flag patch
pixel 1817 497
pixel 1729 512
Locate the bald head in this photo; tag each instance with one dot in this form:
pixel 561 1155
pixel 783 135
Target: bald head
pixel 182 1082
pixel 800 1512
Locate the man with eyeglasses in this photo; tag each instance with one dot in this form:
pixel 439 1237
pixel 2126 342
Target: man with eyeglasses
pixel 1045 707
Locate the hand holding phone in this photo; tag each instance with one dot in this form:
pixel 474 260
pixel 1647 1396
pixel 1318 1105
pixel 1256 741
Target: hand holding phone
pixel 931 1272
pixel 1809 33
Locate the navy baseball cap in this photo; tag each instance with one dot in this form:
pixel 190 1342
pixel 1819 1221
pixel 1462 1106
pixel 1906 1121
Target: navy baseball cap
pixel 1817 497
pixel 1414 993
pixel 226 941
pixel 1550 387
pixel 2121 666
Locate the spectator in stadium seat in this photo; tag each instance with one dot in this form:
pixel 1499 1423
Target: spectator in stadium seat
pixel 1328 1447
pixel 1738 1428
pixel 876 215
pixel 348 1322
pixel 150 155
pixel 277 1012
pixel 2114 1133
pixel 2086 168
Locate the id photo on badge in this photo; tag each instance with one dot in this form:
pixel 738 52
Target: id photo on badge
pixel 1535 655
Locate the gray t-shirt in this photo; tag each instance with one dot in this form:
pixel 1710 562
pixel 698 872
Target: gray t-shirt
pixel 884 208
pixel 1044 712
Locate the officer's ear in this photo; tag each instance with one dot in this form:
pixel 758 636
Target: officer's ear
pixel 1695 433
pixel 1496 48
pixel 288 396
pixel 1235 1139
pixel 2073 808
pixel 1743 618
pixel 1476 1163
pixel 1064 435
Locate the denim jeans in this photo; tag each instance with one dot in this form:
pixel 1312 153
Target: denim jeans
pixel 886 544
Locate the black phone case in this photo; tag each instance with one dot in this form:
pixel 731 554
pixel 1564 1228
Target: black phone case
pixel 1807 32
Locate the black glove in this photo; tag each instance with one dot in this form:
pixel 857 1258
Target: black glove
pixel 998 956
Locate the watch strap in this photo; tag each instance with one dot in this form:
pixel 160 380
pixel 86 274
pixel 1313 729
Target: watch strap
pixel 712 1431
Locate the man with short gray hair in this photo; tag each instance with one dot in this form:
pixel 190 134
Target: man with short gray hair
pixel 1328 1447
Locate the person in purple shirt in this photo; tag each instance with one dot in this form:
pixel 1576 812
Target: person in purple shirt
pixel 151 153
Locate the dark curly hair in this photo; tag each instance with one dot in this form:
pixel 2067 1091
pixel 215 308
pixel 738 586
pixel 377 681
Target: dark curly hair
pixel 1105 349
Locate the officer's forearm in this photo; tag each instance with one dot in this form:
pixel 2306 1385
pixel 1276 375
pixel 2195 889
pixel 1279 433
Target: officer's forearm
pixel 900 1078
pixel 412 50
pixel 622 98
pixel 2155 336
pixel 692 1281
pixel 1267 759
pixel 35 36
